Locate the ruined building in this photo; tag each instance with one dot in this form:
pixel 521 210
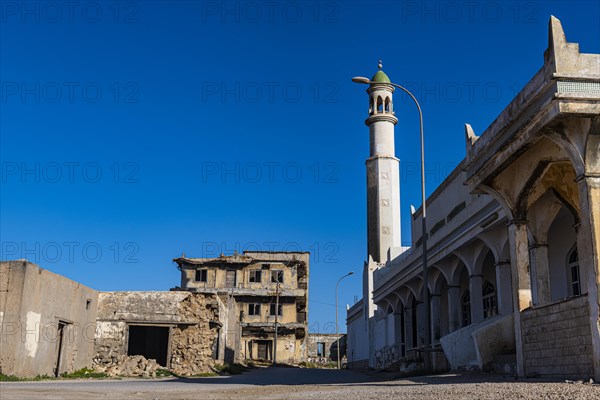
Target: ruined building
pixel 512 235
pixel 51 325
pixel 180 330
pixel 261 292
pixel 323 347
pixel 48 321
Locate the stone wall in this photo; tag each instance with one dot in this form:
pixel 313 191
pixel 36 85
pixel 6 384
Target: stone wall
pixel 192 319
pixel 557 339
pixel 330 342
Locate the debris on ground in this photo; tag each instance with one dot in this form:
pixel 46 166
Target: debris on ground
pixel 130 366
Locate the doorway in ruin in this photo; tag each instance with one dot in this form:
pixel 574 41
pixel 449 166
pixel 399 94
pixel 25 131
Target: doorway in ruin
pixel 151 342
pixel 230 278
pixel 264 349
pixel 62 326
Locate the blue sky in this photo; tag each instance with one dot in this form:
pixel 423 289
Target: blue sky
pixel 134 131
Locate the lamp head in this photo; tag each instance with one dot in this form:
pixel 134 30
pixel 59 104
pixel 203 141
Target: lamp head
pixel 361 79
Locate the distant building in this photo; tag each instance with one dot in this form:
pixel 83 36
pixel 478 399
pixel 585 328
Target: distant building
pixel 322 347
pixel 513 237
pixel 261 291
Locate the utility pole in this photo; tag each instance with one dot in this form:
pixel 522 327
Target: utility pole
pixel 337 333
pixel 276 316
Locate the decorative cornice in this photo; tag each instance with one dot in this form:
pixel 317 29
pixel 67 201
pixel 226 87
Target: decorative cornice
pixel 378 157
pixel 383 117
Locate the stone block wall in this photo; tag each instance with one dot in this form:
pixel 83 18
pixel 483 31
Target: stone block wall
pixel 557 339
pixel 192 319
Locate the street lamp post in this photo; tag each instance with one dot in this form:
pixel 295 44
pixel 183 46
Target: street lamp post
pixel 336 317
pixel 367 81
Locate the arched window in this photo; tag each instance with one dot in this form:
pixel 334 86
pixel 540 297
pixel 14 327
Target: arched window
pixel 371 105
pixel 490 304
pixel 387 104
pixel 466 308
pixel 379 104
pixel 573 273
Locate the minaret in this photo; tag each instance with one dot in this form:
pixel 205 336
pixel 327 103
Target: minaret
pixel 383 183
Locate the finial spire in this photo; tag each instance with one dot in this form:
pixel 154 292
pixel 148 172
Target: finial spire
pixel 380 65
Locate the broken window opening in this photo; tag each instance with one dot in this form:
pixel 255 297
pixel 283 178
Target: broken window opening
pixel 253 309
pixel 277 276
pixel 320 349
pixel 201 275
pixel 88 304
pixel 151 342
pixel 255 276
pixel 279 310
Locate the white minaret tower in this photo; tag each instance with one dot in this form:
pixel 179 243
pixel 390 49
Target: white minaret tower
pixel 383 183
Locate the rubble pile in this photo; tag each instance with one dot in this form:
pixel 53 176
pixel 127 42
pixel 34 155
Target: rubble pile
pixel 192 346
pixel 129 366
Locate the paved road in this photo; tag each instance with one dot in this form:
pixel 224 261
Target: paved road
pixel 292 383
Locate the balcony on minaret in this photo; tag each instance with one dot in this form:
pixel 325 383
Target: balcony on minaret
pixel 381 105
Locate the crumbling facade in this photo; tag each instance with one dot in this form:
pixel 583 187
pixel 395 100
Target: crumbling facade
pixel 180 330
pixel 323 347
pixel 265 296
pixel 52 325
pixel 513 239
pixel 47 321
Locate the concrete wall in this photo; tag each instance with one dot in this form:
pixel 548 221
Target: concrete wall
pixel 32 303
pixel 358 338
pixel 192 319
pixel 557 339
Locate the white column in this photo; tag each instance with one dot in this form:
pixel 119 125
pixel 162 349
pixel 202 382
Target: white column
pixel 588 247
pixel 435 301
pixel 519 260
pixel 420 323
pixel 399 332
pixel 454 308
pixel 541 273
pixel 476 293
pixel 503 288
pixel 408 331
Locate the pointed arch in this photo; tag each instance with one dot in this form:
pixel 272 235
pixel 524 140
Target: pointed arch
pixel 379 105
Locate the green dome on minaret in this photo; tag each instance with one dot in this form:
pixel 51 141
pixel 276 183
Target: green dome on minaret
pixel 380 76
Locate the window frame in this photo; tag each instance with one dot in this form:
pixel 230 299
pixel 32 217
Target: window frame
pixel 254 309
pixel 279 277
pixel 490 299
pixel 272 308
pixel 200 271
pixel 573 266
pixel 253 274
pixel 465 308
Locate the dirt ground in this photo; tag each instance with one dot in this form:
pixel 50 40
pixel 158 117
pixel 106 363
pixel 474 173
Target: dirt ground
pixel 294 383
